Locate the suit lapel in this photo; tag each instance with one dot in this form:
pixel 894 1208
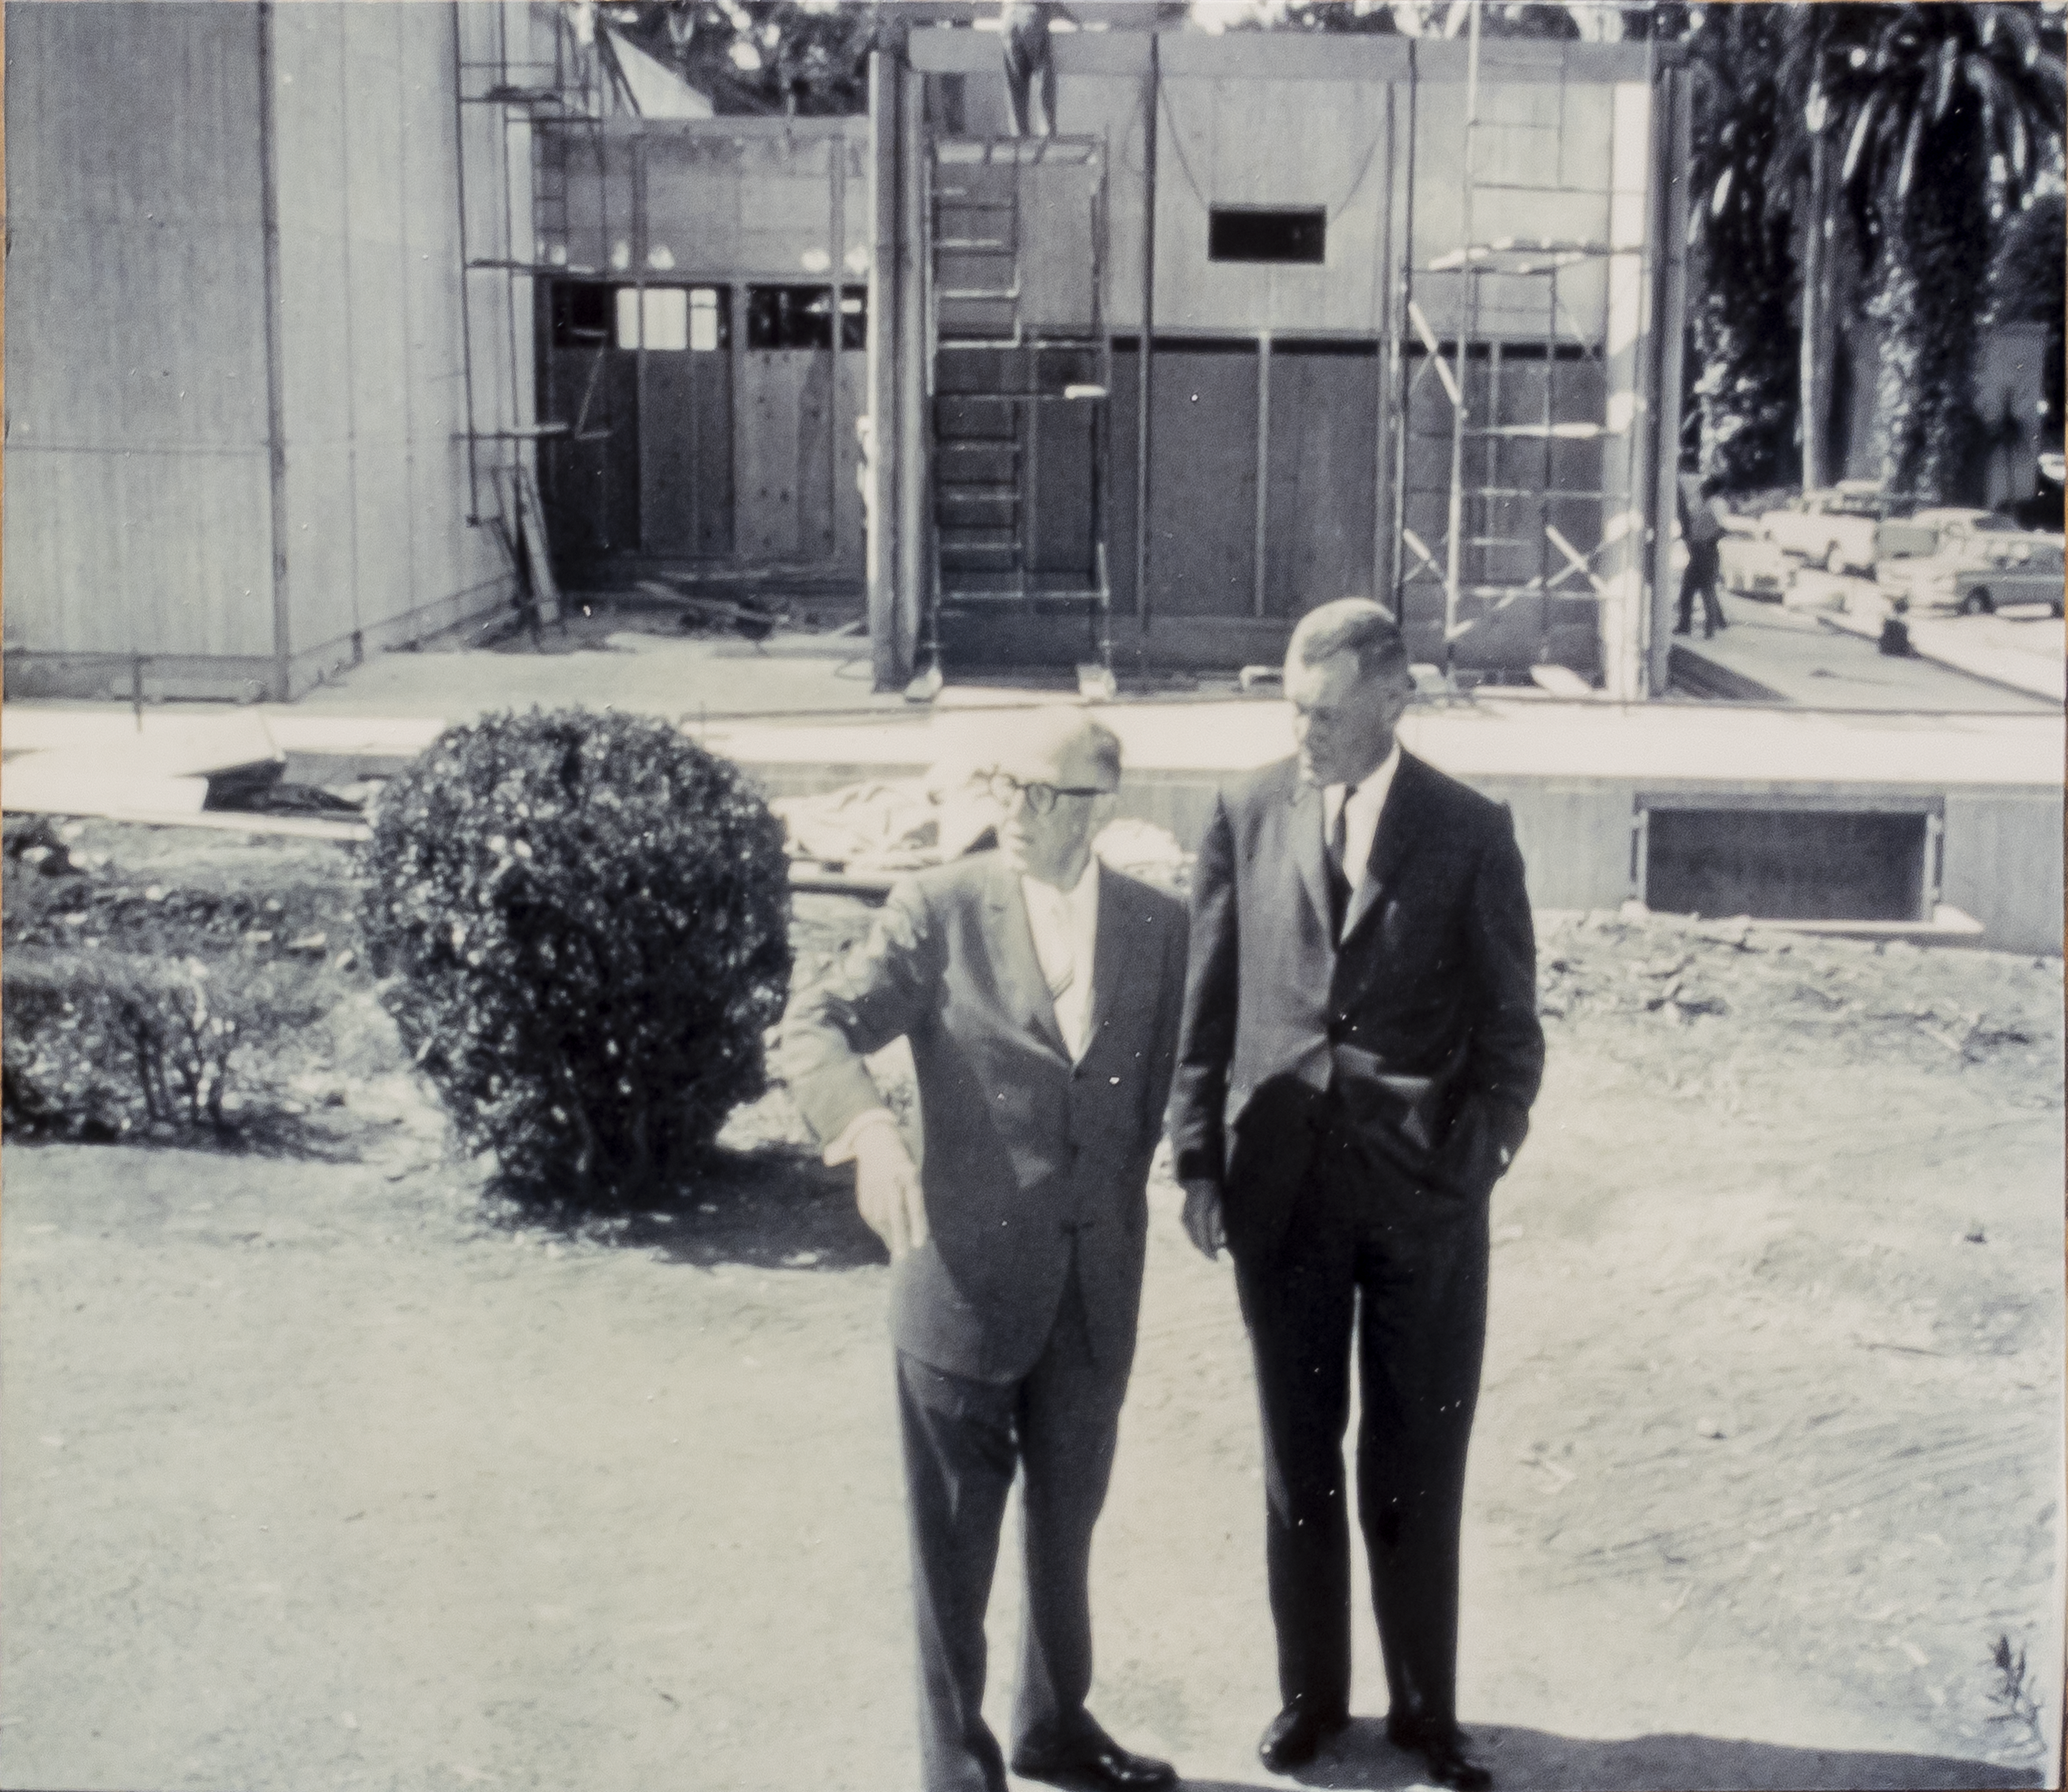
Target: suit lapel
pixel 1389 847
pixel 1310 851
pixel 1022 990
pixel 1110 956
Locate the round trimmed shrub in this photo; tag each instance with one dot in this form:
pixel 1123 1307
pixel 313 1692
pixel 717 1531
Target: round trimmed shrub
pixel 583 920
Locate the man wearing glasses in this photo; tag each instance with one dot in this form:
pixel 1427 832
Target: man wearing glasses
pixel 1040 993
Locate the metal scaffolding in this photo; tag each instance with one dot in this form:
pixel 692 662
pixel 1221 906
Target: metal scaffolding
pixel 1544 467
pixel 523 93
pixel 994 368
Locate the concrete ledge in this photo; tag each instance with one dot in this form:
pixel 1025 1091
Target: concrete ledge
pixel 1948 925
pixel 1690 670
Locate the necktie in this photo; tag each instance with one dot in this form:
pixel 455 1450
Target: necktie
pixel 1061 976
pixel 1338 847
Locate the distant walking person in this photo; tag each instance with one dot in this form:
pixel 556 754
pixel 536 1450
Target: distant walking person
pixel 1360 1053
pixel 1041 992
pixel 1702 529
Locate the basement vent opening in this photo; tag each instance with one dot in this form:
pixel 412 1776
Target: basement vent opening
pixel 1784 865
pixel 1267 234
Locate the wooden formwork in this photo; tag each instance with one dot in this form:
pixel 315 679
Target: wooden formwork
pixel 723 440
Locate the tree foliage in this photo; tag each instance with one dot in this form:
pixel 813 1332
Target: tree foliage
pixel 2026 285
pixel 1743 292
pixel 1946 112
pixel 761 56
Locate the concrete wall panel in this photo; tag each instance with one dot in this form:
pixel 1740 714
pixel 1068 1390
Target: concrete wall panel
pixel 1292 143
pixel 137 350
pixel 135 345
pixel 2003 864
pixel 378 493
pixel 128 553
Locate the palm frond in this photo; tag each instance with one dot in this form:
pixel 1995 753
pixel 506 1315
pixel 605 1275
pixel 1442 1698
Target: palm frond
pixel 2020 29
pixel 1987 86
pixel 1949 66
pixel 1912 138
pixel 1856 147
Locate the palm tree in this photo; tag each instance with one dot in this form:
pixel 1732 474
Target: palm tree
pixel 1813 37
pixel 1942 108
pixel 1739 225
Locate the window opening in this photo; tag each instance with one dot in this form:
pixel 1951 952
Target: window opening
pixel 658 318
pixel 1267 234
pixel 581 315
pixel 801 317
pixel 706 334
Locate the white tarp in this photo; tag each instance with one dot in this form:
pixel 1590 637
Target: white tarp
pixel 658 90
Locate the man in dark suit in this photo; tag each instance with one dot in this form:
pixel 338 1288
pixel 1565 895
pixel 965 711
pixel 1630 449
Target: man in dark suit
pixel 1040 993
pixel 1360 1052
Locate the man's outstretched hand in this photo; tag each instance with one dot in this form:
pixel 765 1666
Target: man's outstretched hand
pixel 886 1189
pixel 1202 1217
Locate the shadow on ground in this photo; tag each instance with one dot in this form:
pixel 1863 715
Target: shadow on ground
pixel 775 1205
pixel 257 1132
pixel 1536 1760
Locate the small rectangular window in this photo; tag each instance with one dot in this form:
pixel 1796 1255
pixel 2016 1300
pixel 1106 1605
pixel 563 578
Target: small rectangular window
pixel 704 334
pixel 1267 234
pixel 801 317
pixel 658 318
pixel 789 317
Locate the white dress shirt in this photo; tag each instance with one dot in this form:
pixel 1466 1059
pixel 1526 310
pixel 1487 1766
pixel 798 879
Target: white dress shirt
pixel 1361 820
pixel 1064 924
pixel 1065 927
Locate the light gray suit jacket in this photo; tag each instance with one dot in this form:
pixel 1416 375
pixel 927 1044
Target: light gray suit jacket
pixel 1029 1162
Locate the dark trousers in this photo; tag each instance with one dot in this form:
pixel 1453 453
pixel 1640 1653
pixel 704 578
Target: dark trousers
pixel 1704 569
pixel 1414 1261
pixel 963 1442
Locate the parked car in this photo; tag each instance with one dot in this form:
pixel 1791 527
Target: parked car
pixel 2042 510
pixel 1918 534
pixel 1834 528
pixel 1983 563
pixel 1753 567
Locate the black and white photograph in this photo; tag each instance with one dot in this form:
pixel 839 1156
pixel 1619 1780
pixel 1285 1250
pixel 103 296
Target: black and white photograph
pixel 959 895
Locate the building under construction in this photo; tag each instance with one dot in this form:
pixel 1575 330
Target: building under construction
pixel 1272 319
pixel 371 311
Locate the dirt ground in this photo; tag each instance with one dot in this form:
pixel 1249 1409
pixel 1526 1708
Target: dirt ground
pixel 322 1471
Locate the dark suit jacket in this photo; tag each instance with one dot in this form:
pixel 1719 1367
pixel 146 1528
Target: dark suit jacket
pixel 1025 1155
pixel 1423 1023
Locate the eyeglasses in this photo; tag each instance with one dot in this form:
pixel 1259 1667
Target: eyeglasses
pixel 1005 790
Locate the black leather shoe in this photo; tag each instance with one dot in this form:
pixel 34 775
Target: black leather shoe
pixel 1442 1746
pixel 1293 1738
pixel 1104 1765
